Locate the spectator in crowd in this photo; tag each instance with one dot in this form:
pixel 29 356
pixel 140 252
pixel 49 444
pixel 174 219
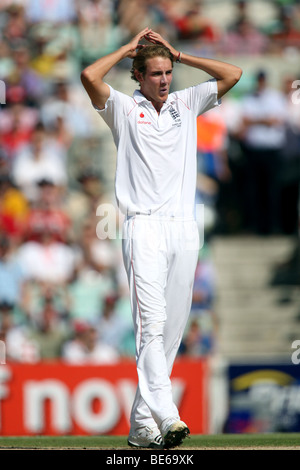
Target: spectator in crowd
pixel 48 332
pixel 17 121
pixel 42 159
pixel 6 61
pixel 97 30
pixel 38 294
pixel 14 209
pixel 15 26
pixel 263 120
pixel 244 39
pixel 47 213
pixel 193 24
pixel 6 313
pixel 196 342
pixel 47 259
pixel 4 163
pixel 241 13
pixel 115 329
pixel 92 187
pixel 60 109
pixel 212 145
pixel 18 347
pixel 40 339
pixel 82 202
pixel 200 336
pixel 95 275
pixel 54 11
pixel 287 34
pixel 204 284
pixel 98 253
pixel 24 75
pixel 212 164
pixel 51 52
pixel 87 348
pixel 132 17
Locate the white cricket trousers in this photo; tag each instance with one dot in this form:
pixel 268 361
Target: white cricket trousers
pixel 160 256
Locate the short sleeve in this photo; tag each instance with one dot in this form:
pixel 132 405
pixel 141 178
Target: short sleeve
pixel 201 98
pixel 107 113
pixel 114 110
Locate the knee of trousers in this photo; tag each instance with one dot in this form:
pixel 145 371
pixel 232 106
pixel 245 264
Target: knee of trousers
pixel 152 330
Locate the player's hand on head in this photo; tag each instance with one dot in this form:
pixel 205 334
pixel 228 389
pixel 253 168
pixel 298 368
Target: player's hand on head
pixel 156 38
pixel 135 45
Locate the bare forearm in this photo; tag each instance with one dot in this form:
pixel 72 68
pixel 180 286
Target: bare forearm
pixel 226 74
pixel 92 76
pixel 215 68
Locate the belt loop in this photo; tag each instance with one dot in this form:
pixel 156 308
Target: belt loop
pixel 133 213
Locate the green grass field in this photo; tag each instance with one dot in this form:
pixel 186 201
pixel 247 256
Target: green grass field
pixel 195 442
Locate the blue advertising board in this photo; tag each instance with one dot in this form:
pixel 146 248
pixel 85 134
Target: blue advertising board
pixel 263 398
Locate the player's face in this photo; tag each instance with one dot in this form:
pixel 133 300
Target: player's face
pixel 155 83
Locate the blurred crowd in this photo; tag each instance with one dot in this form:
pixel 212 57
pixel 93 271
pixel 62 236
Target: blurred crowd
pixel 63 289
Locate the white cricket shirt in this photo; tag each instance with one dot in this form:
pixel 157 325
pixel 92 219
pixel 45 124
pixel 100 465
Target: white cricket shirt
pixel 156 153
pixel 267 104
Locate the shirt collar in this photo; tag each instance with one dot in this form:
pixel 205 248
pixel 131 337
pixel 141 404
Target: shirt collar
pixel 139 98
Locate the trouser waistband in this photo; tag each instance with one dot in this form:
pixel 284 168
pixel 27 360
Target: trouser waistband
pixel 159 216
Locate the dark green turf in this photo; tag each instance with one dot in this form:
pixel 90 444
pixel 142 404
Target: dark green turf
pixel 120 442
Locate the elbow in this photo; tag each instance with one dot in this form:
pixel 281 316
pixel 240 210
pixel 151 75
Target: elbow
pixel 230 81
pixel 238 74
pixel 85 76
pixel 235 77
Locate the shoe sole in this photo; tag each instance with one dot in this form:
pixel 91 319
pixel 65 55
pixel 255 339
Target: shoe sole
pixel 150 446
pixel 176 437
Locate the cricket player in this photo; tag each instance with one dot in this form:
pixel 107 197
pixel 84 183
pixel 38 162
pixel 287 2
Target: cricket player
pixel 155 135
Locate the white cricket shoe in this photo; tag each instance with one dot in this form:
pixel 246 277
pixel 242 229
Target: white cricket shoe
pixel 146 437
pixel 175 434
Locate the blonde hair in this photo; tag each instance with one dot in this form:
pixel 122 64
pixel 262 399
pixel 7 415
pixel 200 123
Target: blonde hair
pixel 148 52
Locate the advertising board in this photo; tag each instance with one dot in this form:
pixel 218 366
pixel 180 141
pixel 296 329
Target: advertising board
pixel 60 399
